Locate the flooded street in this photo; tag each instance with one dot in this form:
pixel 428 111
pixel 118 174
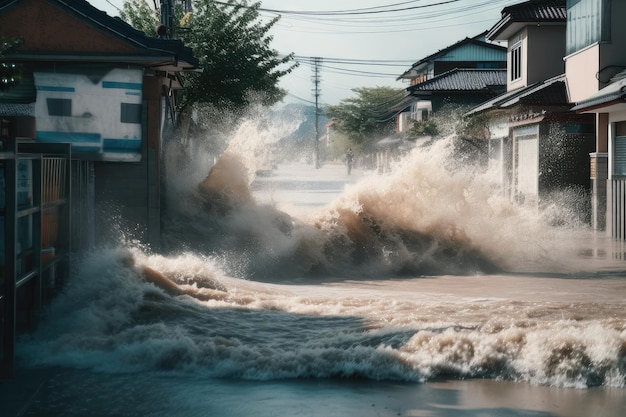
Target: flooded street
pixel 352 338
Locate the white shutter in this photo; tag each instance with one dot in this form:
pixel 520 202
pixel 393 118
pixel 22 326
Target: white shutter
pixel 619 155
pixel 528 166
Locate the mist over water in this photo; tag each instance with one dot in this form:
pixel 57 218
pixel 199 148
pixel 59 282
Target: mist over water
pixel 419 273
pixel 431 214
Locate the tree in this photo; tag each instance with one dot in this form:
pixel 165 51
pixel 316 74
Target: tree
pixel 10 73
pixel 139 15
pixel 366 117
pixel 239 67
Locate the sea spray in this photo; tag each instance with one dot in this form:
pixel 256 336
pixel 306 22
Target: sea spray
pixel 433 213
pixel 361 289
pixel 111 319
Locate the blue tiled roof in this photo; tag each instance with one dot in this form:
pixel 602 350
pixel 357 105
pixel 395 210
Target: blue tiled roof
pixel 476 41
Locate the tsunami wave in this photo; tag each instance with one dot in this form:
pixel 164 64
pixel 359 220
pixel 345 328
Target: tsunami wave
pixel 425 217
pixel 115 317
pixel 246 290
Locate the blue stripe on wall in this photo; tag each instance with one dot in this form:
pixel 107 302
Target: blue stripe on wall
pixel 55 88
pixel 121 145
pixel 85 148
pixel 71 137
pixel 121 85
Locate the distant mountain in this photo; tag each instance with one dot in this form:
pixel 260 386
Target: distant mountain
pixel 300 142
pixel 306 129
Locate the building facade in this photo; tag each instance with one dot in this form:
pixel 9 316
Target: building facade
pixel 595 64
pixel 82 139
pixel 537 144
pixel 93 81
pixel 467 71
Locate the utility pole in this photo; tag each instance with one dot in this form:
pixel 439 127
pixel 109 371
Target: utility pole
pixel 316 93
pixel 167 17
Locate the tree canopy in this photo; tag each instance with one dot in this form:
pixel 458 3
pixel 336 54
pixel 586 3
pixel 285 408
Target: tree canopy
pixel 239 66
pixel 367 117
pixel 10 73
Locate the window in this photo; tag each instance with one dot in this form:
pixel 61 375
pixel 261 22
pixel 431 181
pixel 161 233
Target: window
pixel 588 22
pixel 59 106
pixel 619 149
pixel 516 61
pixel 488 65
pixel 130 113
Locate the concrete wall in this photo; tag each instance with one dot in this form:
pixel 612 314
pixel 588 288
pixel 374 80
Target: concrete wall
pixel 591 68
pixel 581 69
pixel 547 47
pixel 612 54
pixel 128 194
pixel 543 48
pixel 521 36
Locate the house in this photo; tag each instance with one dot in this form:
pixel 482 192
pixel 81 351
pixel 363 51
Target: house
pixel 468 71
pixel 82 137
pixel 466 87
pixel 537 145
pixel 91 80
pixel 595 64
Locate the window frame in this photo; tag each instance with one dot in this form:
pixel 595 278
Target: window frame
pixel 516 61
pixel 59 107
pixel 130 113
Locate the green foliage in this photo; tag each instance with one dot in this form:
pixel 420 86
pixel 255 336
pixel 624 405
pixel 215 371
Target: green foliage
pixel 474 127
pixel 139 15
pixel 366 117
pixel 10 73
pixel 423 128
pixel 239 67
pixel 450 120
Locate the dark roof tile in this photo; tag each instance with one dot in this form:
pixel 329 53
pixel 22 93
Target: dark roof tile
pixel 154 45
pixel 549 92
pixel 17 109
pixel 464 79
pixel 537 10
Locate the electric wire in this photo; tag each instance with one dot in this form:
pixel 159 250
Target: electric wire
pixel 113 5
pixel 352 17
pixel 340 12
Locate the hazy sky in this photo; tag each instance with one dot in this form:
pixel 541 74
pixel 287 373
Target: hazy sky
pixel 363 43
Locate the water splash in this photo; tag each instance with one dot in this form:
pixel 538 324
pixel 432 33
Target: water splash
pixel 113 318
pixel 186 312
pixel 431 214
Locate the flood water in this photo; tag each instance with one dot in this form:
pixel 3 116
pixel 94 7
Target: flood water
pixel 415 292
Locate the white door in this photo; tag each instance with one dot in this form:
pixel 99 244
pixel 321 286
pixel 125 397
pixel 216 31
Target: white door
pixel 527 170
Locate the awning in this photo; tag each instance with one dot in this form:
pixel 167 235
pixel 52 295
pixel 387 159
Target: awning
pixel 613 94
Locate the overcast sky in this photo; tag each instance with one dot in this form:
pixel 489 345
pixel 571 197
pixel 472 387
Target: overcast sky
pixel 362 43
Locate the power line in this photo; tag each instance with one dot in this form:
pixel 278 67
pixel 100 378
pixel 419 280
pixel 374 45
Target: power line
pixel 113 5
pixel 339 12
pixel 357 72
pixel 348 61
pixel 396 28
pixel 362 12
pixel 413 13
pixel 300 98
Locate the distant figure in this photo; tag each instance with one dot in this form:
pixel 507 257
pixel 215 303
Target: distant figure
pixel 349 160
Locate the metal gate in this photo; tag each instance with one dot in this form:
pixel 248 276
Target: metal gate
pixel 36 240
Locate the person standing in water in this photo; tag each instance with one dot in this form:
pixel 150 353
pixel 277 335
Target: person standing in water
pixel 349 160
